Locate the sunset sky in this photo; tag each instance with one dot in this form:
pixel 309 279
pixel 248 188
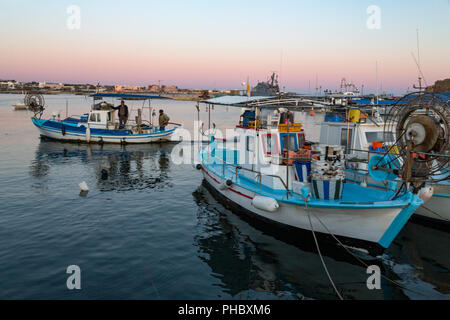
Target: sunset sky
pixel 218 44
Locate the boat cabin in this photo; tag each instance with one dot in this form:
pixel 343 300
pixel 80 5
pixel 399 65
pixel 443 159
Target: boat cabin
pixel 355 135
pixel 102 119
pixel 272 144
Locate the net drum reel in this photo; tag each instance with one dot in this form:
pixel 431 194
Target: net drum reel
pixel 35 102
pixel 421 123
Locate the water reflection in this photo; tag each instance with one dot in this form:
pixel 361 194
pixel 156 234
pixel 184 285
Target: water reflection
pixel 249 263
pixel 418 257
pixel 115 167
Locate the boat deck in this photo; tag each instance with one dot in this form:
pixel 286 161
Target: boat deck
pixel 354 196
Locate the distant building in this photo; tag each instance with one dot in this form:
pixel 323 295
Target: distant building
pixel 128 88
pixel 153 88
pixel 9 84
pixel 169 89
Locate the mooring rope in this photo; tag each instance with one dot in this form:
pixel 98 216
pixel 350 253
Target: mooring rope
pixel 362 262
pixel 320 253
pixel 434 212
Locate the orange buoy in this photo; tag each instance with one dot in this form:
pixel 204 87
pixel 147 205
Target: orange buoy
pixel 312 113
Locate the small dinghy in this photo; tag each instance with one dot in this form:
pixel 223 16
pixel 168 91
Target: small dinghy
pixel 20 106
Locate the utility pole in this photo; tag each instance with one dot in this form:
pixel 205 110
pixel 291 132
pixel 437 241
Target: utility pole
pixel 159 85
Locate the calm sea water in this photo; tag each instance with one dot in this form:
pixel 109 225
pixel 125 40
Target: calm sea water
pixel 150 230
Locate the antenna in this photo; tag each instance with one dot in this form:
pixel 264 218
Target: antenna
pixel 281 66
pixel 417 61
pixel 317 83
pixel 418 47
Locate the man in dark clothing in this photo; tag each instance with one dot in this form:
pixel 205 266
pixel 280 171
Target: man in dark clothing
pixel 163 120
pixel 123 114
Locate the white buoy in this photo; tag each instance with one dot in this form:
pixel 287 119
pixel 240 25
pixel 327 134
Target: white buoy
pixel 426 193
pixel 265 203
pixel 83 186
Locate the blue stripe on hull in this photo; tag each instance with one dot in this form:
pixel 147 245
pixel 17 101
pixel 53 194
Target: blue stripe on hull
pixel 400 221
pixel 80 132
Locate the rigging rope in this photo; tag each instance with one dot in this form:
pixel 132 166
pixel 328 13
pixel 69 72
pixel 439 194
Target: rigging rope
pixel 435 213
pixel 362 262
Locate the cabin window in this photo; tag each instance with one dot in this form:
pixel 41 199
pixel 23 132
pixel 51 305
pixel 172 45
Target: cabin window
pixel 270 144
pixel 285 117
pixel 346 139
pixel 250 145
pixel 293 146
pixel 301 140
pixel 379 136
pixel 95 117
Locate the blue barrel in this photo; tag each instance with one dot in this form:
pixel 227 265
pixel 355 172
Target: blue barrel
pixel 303 169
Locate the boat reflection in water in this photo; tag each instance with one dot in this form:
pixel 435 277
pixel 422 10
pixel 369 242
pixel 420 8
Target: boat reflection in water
pixel 253 264
pixel 115 167
pixel 251 261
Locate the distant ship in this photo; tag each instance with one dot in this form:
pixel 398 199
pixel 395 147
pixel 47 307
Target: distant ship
pixel 347 89
pixel 268 88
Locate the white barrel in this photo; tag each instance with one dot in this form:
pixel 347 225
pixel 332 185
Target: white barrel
pixel 265 203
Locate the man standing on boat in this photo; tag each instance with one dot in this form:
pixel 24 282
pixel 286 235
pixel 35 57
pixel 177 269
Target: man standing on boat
pixel 123 114
pixel 163 120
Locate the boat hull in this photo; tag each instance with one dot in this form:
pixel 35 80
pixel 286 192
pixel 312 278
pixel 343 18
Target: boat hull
pixel 371 230
pixel 20 106
pixel 435 211
pixel 65 132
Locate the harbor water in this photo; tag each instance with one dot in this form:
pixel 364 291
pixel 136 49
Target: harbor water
pixel 149 229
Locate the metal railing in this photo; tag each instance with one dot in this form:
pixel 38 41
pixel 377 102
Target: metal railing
pixel 259 173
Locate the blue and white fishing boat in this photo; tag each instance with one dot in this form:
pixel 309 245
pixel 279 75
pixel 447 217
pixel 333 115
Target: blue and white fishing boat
pixel 366 137
pixel 100 125
pixel 271 175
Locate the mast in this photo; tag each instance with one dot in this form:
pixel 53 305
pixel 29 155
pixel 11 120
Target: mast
pixel 376 71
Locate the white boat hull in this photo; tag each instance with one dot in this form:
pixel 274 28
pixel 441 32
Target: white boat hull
pixel 438 207
pixel 89 136
pixel 358 225
pixel 20 106
pixel 435 210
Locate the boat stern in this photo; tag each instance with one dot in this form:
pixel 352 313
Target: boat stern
pixel 38 122
pixel 400 221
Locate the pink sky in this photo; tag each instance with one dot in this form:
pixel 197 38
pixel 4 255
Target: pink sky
pixel 183 50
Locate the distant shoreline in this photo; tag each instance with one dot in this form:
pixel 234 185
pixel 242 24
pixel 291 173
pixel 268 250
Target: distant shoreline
pixel 177 97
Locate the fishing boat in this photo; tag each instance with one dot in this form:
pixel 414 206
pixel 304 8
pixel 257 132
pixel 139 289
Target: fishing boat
pixel 364 137
pixel 435 211
pixel 271 175
pixel 101 126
